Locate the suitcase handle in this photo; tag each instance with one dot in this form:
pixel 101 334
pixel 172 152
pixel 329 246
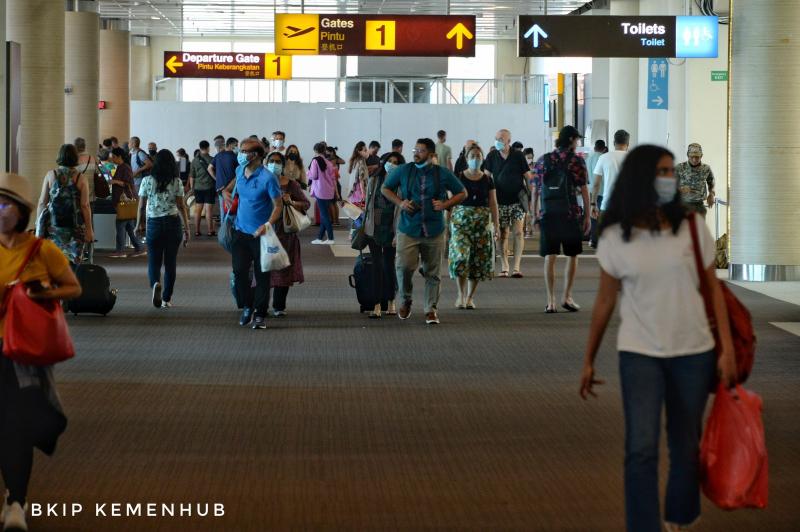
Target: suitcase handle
pixel 352 280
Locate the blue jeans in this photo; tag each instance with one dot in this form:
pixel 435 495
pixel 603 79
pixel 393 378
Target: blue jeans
pixel 682 384
pixel 325 223
pixel 127 226
pixel 163 241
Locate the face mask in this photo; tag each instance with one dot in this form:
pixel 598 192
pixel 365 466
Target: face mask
pixel 389 167
pixel 666 187
pixel 529 159
pixel 241 158
pixel 277 143
pixel 275 168
pixel 292 156
pixel 420 166
pixel 474 164
pixel 153 153
pixel 500 145
pixel 7 220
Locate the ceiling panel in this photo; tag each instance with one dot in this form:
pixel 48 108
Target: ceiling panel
pixel 192 18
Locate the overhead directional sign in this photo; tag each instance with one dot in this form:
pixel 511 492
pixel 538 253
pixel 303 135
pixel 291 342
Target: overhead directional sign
pixel 226 65
pixel 378 35
pixel 615 36
pixel 657 83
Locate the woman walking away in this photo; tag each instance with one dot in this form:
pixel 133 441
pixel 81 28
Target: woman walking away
pixel 357 168
pixel 294 168
pixel 323 188
pixel 473 229
pixel 666 348
pixel 293 196
pixel 161 204
pixel 379 228
pixel 48 276
pixel 122 183
pixel 63 213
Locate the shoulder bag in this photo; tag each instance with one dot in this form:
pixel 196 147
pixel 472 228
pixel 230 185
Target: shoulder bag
pixel 126 208
pixel 26 318
pixel 741 323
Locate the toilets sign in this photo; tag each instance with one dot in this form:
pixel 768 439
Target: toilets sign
pixel 226 65
pixel 615 36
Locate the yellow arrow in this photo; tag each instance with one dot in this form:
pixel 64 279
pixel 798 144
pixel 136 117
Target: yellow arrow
pixel 173 63
pixel 459 31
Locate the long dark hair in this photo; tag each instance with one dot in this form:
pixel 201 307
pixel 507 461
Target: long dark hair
pixel 319 149
pixel 294 148
pixel 360 145
pixel 165 170
pixel 634 199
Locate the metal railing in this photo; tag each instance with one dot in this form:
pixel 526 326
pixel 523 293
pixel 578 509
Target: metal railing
pixel 509 89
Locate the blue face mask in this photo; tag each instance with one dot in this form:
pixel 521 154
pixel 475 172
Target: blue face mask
pixel 666 187
pixel 241 158
pixel 389 167
pixel 420 166
pixel 500 145
pixel 275 168
pixel 474 164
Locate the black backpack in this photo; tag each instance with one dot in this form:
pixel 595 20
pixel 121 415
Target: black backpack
pixel 64 205
pixel 556 189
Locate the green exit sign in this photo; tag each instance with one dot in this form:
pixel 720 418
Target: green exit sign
pixel 719 75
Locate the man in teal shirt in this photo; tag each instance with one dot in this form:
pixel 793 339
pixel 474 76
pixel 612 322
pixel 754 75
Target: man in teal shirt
pixel 420 190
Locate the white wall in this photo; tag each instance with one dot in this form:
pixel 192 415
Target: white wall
pixel 175 125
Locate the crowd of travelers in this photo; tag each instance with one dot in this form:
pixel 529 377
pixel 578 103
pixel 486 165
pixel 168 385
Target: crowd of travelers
pixel 409 215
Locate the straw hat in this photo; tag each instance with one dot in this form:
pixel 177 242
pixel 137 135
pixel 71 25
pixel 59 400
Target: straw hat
pixel 17 188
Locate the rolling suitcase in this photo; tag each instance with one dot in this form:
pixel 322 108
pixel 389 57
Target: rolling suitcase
pixel 97 297
pixel 363 282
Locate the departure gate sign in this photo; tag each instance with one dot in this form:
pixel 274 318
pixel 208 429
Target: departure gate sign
pixel 616 36
pixel 375 35
pixel 226 65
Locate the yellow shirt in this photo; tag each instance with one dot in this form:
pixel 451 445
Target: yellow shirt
pixel 46 265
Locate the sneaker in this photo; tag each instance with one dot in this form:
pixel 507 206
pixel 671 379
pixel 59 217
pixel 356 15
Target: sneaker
pixel 405 310
pixel 318 242
pixel 157 295
pixel 140 253
pixel 259 322
pixel 117 255
pixel 166 304
pixel 278 313
pixel 431 318
pixel 330 242
pixel 247 317
pixel 14 517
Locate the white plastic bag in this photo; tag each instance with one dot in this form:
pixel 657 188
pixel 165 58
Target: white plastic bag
pixel 273 256
pixel 353 212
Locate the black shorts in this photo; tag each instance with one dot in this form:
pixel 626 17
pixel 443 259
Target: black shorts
pixel 559 233
pixel 205 196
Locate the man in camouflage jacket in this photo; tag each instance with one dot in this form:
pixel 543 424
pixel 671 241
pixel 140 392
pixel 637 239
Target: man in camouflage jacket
pixel 695 181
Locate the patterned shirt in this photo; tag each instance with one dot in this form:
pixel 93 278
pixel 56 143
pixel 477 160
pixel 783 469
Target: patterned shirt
pixel 576 168
pixel 694 182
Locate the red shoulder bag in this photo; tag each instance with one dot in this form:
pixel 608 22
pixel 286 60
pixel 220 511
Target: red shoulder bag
pixel 741 323
pixel 35 332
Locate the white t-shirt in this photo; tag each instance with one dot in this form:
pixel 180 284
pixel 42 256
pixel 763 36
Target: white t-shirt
pixel 661 308
pixel 608 166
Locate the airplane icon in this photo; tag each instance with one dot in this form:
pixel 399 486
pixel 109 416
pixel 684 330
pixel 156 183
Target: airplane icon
pixel 297 32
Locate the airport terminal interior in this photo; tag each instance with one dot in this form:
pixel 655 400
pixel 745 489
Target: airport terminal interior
pixel 306 289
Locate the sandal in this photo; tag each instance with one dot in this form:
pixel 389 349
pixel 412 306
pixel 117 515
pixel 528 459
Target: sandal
pixel 470 305
pixel 212 233
pixel 550 310
pixel 517 274
pixel 197 233
pixel 571 306
pixel 504 273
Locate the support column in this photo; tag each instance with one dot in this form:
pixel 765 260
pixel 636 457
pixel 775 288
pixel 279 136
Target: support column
pixel 114 57
pixel 623 91
pixel 765 148
pixel 3 110
pixel 38 25
pixel 141 70
pixel 82 74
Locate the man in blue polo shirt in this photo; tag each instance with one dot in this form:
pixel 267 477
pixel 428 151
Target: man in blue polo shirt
pixel 223 167
pixel 420 190
pixel 260 206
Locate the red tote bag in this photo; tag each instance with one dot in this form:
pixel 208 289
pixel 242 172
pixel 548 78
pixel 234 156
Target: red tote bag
pixel 35 332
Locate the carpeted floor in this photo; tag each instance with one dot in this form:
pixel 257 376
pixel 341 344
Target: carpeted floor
pixel 330 421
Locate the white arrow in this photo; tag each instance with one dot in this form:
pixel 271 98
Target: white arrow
pixel 658 101
pixel 536 31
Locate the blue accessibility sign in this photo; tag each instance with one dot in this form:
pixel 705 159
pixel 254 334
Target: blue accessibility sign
pixel 657 83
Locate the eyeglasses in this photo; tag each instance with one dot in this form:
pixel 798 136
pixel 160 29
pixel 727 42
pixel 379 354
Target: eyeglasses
pixel 417 150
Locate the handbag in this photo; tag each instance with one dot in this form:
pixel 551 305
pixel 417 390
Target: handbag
pixel 227 226
pixel 126 208
pixel 360 240
pixel 741 323
pixel 26 318
pixel 294 221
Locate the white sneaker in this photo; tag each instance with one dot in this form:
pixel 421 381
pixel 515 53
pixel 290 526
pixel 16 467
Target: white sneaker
pixel 318 242
pixel 166 304
pixel 14 517
pixel 330 242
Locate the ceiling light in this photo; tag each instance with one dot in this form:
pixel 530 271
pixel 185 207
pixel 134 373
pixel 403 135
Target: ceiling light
pixel 155 18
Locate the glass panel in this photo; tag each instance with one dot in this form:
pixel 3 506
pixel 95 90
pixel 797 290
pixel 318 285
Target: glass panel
pixel 259 47
pixel 323 91
pixel 206 46
pixel 477 89
pixel 315 66
pixel 238 90
pixel 422 92
pixel 297 91
pixel 193 90
pixel 479 67
pixel 213 90
pixel 380 91
pixel 251 90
